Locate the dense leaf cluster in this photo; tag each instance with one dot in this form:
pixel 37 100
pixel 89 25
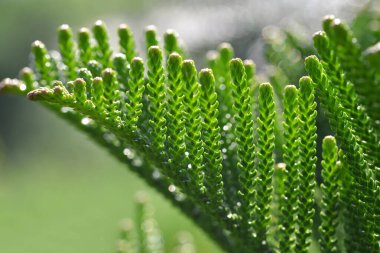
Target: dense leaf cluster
pixel 209 140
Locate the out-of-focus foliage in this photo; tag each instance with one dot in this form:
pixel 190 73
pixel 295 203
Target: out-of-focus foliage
pixel 141 234
pixel 366 25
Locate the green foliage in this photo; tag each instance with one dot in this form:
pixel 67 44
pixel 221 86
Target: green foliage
pixel 176 122
pixel 172 44
pixel 66 48
pixel 84 47
pixel 126 42
pixel 355 129
pixel 218 62
pixel 245 142
pixel 366 23
pixel 288 202
pixel 103 52
pixel 157 101
pixel 209 140
pixel 142 235
pixel 211 135
pixel 193 122
pixel 307 163
pixel 330 196
pixel 265 167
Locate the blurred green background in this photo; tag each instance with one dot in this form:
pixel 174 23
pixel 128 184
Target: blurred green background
pixel 58 191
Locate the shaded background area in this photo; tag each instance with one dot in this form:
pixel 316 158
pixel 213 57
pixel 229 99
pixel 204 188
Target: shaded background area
pixel 58 191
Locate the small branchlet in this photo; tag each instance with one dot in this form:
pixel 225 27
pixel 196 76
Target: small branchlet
pixel 291 155
pixel 194 142
pixel 265 151
pixel 126 42
pixel 211 136
pixel 44 64
pixel 102 51
pixel 176 119
pixel 308 159
pixel 67 49
pixel 157 99
pixel 330 196
pixel 136 87
pixel 245 143
pixel 172 44
pixel 151 36
pixel 121 67
pixel 84 46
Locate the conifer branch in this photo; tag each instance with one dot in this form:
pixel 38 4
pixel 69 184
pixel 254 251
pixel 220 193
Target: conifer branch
pixel 194 139
pixel 291 155
pixel 103 51
pixel 307 166
pixel 193 121
pixel 95 68
pixel 245 145
pixel 172 44
pixel 43 64
pixel 211 136
pixel 84 47
pixel 130 157
pixel 121 66
pixel 136 87
pixel 330 196
pixel 157 100
pixel 363 125
pixel 151 36
pixel 220 66
pixel 176 120
pixel 126 42
pixel 348 51
pixel 265 146
pixel 365 185
pixel 67 50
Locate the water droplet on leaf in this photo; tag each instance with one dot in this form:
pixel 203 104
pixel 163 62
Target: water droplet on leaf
pixel 171 188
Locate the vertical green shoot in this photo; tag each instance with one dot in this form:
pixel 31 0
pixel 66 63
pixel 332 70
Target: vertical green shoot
pixel 142 240
pixel 126 42
pixel 265 167
pixel 87 77
pixel 68 51
pixel 157 100
pixel 172 44
pixel 211 137
pixel 44 64
pixel 29 79
pixel 364 185
pixel 84 46
pixel 136 87
pixel 289 206
pixel 330 196
pixel 98 94
pixel 103 50
pixel 112 97
pixel 176 121
pixel 95 68
pixel 245 144
pixel 126 242
pixel 194 142
pixel 121 67
pixel 151 36
pixel 307 168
